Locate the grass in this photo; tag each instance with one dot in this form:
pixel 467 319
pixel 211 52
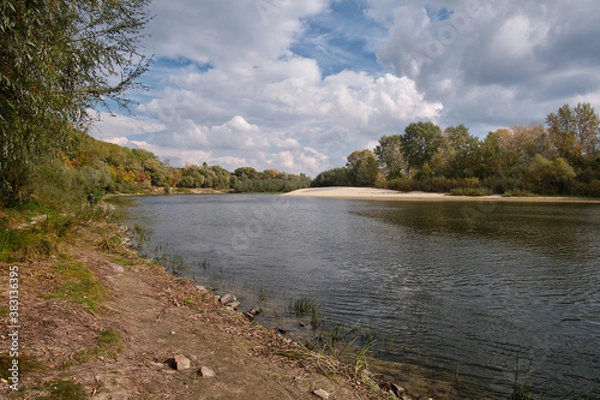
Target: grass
pixel 64 390
pixel 111 243
pixel 26 364
pixel 125 262
pixel 32 231
pixel 173 262
pixel 305 305
pixel 76 283
pixel 24 244
pixel 109 342
pixel 360 360
pixel 142 235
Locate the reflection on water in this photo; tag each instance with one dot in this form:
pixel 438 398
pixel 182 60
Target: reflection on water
pixel 450 286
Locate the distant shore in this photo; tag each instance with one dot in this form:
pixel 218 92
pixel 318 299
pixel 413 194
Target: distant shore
pixel 364 193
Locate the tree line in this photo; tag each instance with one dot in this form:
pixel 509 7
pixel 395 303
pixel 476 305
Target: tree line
pixel 560 157
pixel 94 166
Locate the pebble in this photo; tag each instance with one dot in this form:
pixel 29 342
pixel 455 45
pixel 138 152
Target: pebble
pixel 182 362
pixel 322 393
pixel 207 372
pixel 234 305
pixel 227 298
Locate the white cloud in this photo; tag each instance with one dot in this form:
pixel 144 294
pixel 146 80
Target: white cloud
pixel 497 60
pixel 229 90
pixel 117 125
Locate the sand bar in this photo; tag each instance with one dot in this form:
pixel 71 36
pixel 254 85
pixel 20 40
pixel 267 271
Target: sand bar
pixel 343 192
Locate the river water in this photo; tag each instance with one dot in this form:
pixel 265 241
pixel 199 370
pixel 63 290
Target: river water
pixel 469 292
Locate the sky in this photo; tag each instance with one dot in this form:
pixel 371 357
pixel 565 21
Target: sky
pixel 298 85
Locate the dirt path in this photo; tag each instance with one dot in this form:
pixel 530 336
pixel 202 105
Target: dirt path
pixel 147 317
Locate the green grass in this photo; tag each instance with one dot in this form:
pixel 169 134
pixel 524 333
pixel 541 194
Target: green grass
pixel 64 390
pixel 39 237
pixel 303 305
pixel 77 284
pixel 125 262
pixel 19 244
pixel 26 364
pixel 109 342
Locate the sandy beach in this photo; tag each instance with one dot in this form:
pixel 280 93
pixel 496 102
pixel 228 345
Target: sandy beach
pixel 364 193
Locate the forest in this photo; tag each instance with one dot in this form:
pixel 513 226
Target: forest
pixel 559 157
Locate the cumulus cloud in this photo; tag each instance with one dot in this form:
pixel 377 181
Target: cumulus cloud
pixel 230 89
pixel 498 60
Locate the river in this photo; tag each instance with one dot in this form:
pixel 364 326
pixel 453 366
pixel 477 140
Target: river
pixel 467 291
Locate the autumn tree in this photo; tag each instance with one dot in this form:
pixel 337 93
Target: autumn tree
pixel 575 132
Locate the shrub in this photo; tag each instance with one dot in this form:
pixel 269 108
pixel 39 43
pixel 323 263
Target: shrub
pixel 403 185
pixel 471 192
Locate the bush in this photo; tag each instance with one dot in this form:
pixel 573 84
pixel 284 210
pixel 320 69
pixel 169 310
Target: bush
pixel 436 185
pixel 501 185
pixel 403 185
pixel 475 192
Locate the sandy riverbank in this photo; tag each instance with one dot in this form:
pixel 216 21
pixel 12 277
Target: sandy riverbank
pixel 363 193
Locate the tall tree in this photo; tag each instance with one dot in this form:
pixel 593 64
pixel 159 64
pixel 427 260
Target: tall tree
pixel 363 168
pixel 575 131
pixel 58 59
pixel 587 124
pixel 389 156
pixel 462 152
pixel 420 143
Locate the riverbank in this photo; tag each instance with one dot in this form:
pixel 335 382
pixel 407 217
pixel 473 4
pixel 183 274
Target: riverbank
pixel 364 193
pixel 97 321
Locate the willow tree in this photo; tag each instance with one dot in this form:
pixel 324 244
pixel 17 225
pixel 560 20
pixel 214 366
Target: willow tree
pixel 59 59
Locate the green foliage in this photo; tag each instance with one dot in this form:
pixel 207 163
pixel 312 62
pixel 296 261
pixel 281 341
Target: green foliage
pixel 420 142
pixel 334 177
pixel 59 59
pixel 110 243
pixel 470 192
pixel 529 160
pixel 64 390
pixel 303 305
pixel 389 156
pixel 574 132
pixel 363 168
pixel 268 186
pixel 548 177
pixel 436 185
pixel 142 235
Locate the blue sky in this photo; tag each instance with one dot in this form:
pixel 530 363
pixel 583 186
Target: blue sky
pixel 298 86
